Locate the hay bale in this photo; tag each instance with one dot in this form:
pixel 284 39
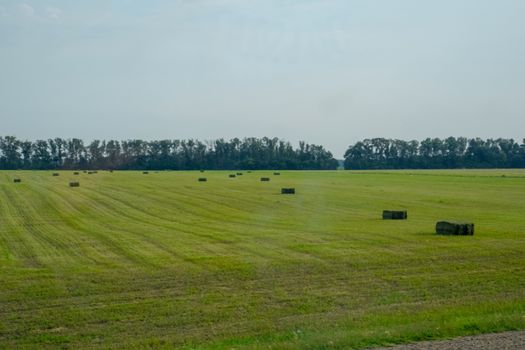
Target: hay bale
pixel 277 173
pixel 74 184
pixel 111 171
pixel 231 175
pixel 239 174
pixel 56 174
pixel 202 179
pixel 249 171
pixel 16 180
pixel 287 190
pixel 145 172
pixel 395 215
pixel 90 172
pixel 455 228
pixel 265 179
pixel 76 173
pixel 202 171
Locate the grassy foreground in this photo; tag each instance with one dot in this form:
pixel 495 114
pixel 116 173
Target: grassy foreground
pixel 129 260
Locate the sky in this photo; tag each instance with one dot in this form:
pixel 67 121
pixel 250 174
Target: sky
pixel 328 72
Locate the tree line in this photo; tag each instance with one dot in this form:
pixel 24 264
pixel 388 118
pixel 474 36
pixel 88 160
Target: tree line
pixel 248 153
pixel 449 153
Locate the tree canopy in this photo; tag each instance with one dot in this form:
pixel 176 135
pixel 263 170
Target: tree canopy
pixel 449 153
pixel 247 153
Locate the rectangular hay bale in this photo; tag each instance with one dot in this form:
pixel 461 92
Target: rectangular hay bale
pixel 277 173
pixel 454 228
pixel 287 190
pixel 265 179
pixel 74 184
pixel 231 175
pixel 395 215
pixel 17 180
pixel 56 174
pixel 202 179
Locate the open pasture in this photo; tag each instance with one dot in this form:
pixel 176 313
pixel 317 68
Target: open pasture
pixel 163 260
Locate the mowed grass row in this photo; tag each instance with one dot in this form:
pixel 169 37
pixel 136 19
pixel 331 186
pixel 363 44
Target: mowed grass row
pixel 132 260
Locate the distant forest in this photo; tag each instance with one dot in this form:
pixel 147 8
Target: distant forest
pixel 449 153
pixel 248 153
pixel 258 153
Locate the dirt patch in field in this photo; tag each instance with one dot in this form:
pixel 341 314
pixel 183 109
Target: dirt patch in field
pixel 500 341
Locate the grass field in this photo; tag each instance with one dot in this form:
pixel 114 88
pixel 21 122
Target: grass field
pixel 129 260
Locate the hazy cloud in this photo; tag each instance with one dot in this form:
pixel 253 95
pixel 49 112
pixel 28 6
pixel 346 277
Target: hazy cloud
pixel 25 10
pixel 53 12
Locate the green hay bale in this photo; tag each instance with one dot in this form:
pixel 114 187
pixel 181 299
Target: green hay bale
pixel 455 228
pixel 74 184
pixel 145 172
pixel 76 173
pixel 239 174
pixel 249 171
pixel 56 174
pixel 17 180
pixel 287 190
pixel 202 179
pixel 277 173
pixel 202 171
pixel 265 179
pixel 90 172
pixel 231 175
pixel 395 215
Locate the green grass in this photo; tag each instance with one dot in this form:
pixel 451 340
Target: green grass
pixel 129 260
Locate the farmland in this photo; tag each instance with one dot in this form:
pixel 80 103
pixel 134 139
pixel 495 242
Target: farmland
pixel 161 260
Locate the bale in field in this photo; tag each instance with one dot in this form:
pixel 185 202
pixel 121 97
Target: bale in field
pixel 287 190
pixel 395 215
pixel 265 179
pixel 90 172
pixel 56 174
pixel 145 172
pixel 202 179
pixel 232 175
pixel 202 171
pixel 455 228
pixel 238 174
pixel 76 173
pixel 74 184
pixel 17 180
pixel 277 173
pixel 249 171
pixel 111 171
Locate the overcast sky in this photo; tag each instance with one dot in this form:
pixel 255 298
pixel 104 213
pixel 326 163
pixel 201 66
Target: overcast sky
pixel 325 71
